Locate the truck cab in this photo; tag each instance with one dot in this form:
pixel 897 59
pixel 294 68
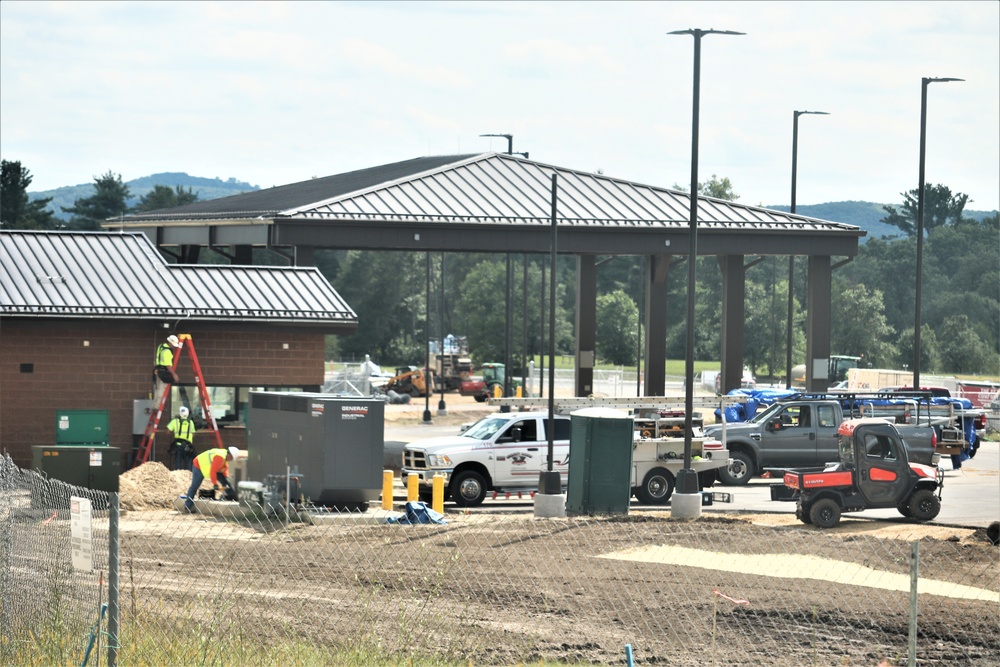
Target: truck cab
pixel 505 451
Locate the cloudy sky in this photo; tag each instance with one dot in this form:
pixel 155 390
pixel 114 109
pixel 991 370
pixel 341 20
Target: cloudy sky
pixel 274 93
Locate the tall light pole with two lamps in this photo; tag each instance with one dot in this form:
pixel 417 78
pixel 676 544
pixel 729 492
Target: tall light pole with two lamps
pixel 791 258
pixel 924 82
pixel 686 502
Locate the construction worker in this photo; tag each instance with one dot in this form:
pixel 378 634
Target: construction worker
pixel 163 368
pixel 213 464
pixel 182 429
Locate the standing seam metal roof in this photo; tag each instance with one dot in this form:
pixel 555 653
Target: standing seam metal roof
pixel 489 188
pixel 122 276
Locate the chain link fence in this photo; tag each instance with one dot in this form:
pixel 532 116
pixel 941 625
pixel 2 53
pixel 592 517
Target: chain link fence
pixel 484 588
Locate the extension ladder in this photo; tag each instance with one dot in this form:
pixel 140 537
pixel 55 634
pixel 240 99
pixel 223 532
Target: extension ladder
pixel 146 446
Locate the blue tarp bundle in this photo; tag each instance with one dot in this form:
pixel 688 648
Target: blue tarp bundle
pixel 756 398
pixel 417 512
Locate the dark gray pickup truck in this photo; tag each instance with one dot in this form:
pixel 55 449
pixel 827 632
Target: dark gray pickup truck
pixel 800 434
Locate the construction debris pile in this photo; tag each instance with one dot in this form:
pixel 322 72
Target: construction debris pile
pixel 152 486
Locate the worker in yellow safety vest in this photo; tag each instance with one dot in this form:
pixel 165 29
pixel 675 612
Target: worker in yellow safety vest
pixel 182 429
pixel 163 366
pixel 213 464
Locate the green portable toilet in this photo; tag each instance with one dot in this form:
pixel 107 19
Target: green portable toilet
pixel 600 462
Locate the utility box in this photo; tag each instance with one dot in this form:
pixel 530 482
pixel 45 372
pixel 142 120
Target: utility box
pixel 82 427
pixel 95 468
pixel 333 443
pixel 142 408
pixel 600 462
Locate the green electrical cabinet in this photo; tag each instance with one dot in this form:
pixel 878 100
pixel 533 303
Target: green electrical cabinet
pixel 95 468
pixel 600 462
pixel 82 427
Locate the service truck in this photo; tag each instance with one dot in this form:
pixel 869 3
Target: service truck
pixel 801 431
pixel 505 452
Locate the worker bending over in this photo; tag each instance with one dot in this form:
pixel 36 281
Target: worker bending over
pixel 213 464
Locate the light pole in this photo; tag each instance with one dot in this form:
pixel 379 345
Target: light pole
pixel 687 500
pixel 924 82
pixel 442 408
pixel 427 345
pixel 791 258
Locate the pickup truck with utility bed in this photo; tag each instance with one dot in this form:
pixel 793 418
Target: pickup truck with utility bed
pixel 802 432
pixel 506 452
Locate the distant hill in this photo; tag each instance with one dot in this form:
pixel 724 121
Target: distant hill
pixel 206 188
pixel 866 215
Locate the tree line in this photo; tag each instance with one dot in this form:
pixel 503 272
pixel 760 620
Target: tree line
pixel 873 296
pixel 87 213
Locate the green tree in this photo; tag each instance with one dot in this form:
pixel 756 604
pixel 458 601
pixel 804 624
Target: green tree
pixel 930 360
pixel 16 211
pixel 161 196
pixel 108 201
pixel 859 326
pixel 387 291
pixel 719 188
pixel 941 208
pixel 617 333
pixel 962 350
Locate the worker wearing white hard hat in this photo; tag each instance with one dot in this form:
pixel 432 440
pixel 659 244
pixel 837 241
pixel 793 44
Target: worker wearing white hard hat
pixel 163 366
pixel 182 429
pixel 214 465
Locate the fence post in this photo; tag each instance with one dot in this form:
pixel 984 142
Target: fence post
pixel 113 566
pixel 914 571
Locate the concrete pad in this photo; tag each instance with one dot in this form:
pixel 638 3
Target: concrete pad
pixel 548 505
pixel 371 517
pixel 685 506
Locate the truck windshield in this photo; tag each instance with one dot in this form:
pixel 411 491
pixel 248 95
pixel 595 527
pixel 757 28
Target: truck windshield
pixel 762 417
pixel 485 428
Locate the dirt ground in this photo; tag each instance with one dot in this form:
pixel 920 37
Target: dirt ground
pixel 500 589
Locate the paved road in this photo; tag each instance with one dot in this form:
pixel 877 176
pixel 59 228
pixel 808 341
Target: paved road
pixel 970 498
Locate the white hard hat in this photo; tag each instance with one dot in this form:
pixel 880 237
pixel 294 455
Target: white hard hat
pixel 184 411
pixel 173 340
pixel 234 452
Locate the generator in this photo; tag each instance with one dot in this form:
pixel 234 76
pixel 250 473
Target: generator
pixel 327 449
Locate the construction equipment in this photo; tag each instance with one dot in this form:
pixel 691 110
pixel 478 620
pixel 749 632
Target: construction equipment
pixel 451 363
pixel 411 380
pixel 488 385
pixel 146 446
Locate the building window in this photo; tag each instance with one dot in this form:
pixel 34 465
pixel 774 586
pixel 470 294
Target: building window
pixel 229 403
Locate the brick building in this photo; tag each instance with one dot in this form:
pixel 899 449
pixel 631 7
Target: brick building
pixel 82 313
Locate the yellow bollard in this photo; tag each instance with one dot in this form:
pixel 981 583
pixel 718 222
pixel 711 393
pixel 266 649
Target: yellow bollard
pixel 387 482
pixel 497 391
pixel 437 496
pixel 412 482
pixel 518 391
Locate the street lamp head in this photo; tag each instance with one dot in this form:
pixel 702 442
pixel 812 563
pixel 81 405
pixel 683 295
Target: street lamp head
pixel 698 32
pixel 927 80
pixel 815 113
pixel 505 136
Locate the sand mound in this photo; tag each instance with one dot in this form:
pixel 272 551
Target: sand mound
pixel 152 486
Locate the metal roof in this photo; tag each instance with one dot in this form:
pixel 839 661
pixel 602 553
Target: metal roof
pixel 122 276
pixel 490 188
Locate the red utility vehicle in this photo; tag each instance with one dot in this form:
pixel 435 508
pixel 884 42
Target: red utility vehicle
pixel 873 472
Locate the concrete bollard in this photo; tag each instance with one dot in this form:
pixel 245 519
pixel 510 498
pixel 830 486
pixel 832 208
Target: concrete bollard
pixel 437 495
pixel 412 486
pixel 387 480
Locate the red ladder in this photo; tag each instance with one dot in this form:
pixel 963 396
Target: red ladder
pixel 146 446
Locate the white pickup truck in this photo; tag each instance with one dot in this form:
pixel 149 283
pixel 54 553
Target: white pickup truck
pixel 506 452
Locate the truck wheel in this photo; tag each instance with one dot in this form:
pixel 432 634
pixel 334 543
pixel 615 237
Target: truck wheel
pixel 801 513
pixel 468 488
pixel 480 398
pixel 739 471
pixel 924 505
pixel 825 513
pixel 656 487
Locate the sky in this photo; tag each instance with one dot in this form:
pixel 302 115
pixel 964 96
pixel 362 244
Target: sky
pixel 276 93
